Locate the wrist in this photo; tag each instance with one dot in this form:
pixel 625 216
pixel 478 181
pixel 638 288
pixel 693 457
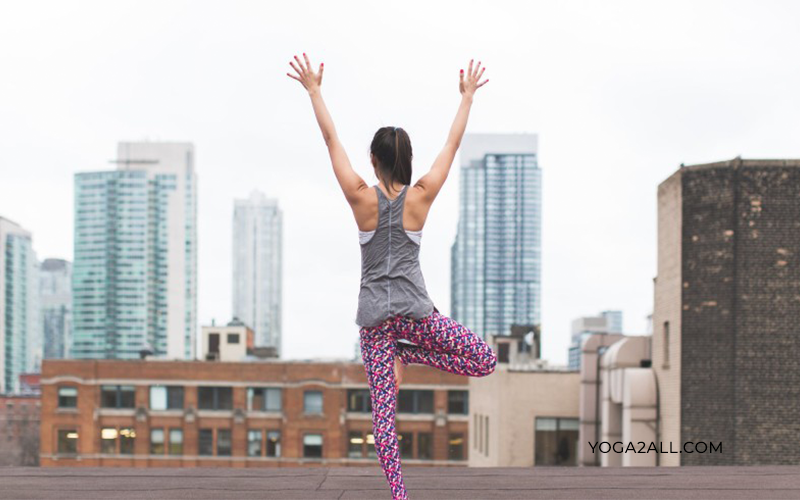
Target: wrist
pixel 314 92
pixel 467 97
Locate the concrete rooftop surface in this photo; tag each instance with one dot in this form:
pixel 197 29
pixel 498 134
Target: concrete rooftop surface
pixel 715 482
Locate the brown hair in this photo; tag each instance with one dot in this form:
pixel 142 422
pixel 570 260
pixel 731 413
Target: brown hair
pixel 391 149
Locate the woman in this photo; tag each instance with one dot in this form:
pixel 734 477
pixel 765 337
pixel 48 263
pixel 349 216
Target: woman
pixel 393 303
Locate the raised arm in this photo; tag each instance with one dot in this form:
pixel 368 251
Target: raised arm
pixel 351 183
pixel 433 181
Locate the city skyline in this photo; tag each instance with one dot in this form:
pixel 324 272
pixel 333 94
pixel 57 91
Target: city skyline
pixel 615 117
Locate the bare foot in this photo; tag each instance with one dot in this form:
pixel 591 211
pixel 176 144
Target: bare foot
pixel 398 373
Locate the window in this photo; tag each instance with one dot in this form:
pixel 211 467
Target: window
pixel 312 402
pixel 406 441
pixel 157 441
pixel 358 400
pixel 425 446
pixel 233 338
pixel 666 344
pixel 312 445
pixel 455 447
pixel 556 441
pixel 127 436
pixel 274 443
pixel 117 441
pixel 108 440
pixel 117 396
pixel 415 401
pixel 264 399
pixel 176 441
pixel 223 442
pixel 67 441
pixel 355 445
pixel 502 352
pixel 486 436
pixel 457 402
pixel 166 397
pixel 205 442
pixel 253 443
pixel 215 398
pixel 67 397
pixel 371 452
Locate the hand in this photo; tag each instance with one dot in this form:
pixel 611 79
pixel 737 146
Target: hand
pixel 310 80
pixel 467 86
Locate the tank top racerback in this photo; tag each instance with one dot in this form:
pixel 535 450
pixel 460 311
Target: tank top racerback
pixel 391 277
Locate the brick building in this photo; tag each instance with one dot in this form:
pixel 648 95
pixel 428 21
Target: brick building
pixel 726 329
pixel 19 429
pixel 146 413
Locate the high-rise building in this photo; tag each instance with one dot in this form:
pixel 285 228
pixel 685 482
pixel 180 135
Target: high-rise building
pixel 496 258
pixel 55 303
pixel 257 257
pixel 606 323
pixel 135 270
pixel 20 343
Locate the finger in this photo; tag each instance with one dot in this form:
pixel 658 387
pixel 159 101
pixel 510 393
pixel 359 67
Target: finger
pixel 461 77
pixel 292 76
pixel 482 84
pixel 321 69
pixel 477 67
pixel 308 63
pixel 300 64
pixel 469 71
pixel 295 68
pixel 481 73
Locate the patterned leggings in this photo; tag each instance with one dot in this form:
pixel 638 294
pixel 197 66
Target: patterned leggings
pixel 441 343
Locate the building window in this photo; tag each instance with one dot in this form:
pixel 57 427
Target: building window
pixel 312 445
pixel 475 430
pixel 205 442
pixel 502 352
pixel 312 402
pixel 455 447
pixel 166 397
pixel 415 401
pixel 457 402
pixel 67 442
pixel 127 436
pixel 486 437
pixel 117 396
pixel 666 344
pixel 273 443
pixel 157 441
pixel 406 442
pixel 223 442
pixel 111 436
pixel 254 443
pixel 425 446
pixel 358 400
pixel 371 451
pixel 215 398
pixel 355 445
pixel 556 441
pixel 264 399
pixel 108 440
pixel 67 397
pixel 233 338
pixel 176 441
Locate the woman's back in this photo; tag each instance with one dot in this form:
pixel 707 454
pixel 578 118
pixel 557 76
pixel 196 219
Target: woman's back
pixel 391 277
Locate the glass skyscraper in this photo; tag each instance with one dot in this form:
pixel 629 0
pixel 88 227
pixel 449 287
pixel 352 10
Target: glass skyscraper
pixel 257 258
pixel 496 258
pixel 20 342
pixel 606 323
pixel 55 300
pixel 135 270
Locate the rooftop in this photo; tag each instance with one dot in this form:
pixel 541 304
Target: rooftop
pixel 422 482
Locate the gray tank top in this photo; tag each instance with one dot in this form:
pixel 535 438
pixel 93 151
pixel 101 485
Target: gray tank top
pixel 391 278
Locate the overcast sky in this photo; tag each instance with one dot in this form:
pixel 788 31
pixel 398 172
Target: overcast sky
pixel 620 93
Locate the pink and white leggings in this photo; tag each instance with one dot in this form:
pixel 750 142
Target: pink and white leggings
pixel 441 343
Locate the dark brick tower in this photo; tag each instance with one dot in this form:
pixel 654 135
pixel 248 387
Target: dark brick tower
pixel 727 314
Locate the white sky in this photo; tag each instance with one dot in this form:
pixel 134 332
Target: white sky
pixel 620 94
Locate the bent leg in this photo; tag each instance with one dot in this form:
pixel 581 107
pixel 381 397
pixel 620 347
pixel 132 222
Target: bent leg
pixel 445 344
pixel 378 351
